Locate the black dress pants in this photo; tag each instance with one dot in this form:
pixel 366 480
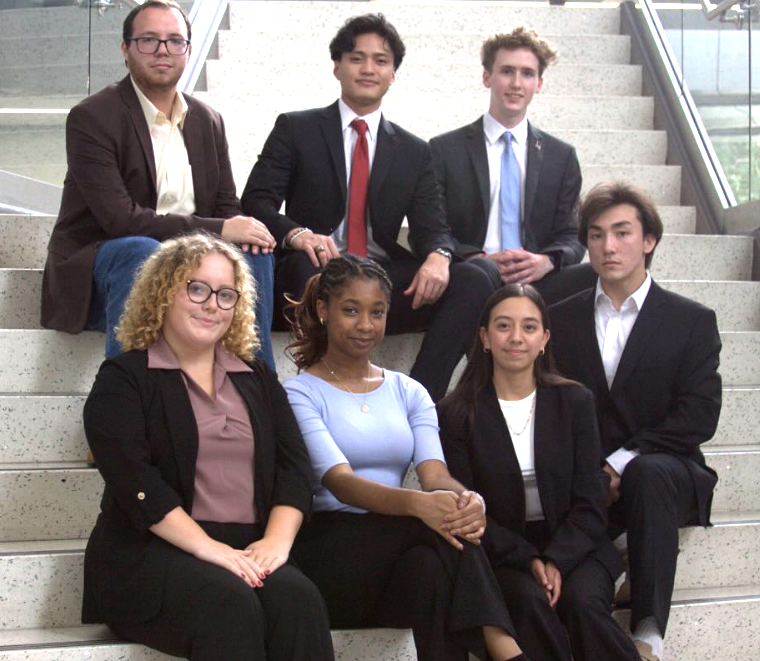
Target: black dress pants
pixel 657 496
pixel 451 322
pixel 394 571
pixel 580 627
pixel 210 614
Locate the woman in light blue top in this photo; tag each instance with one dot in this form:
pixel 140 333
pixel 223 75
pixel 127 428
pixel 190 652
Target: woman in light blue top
pixel 382 554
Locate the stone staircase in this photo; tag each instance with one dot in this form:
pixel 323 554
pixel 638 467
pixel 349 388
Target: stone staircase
pixel 49 497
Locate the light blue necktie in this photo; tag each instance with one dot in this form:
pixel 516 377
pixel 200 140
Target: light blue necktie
pixel 509 196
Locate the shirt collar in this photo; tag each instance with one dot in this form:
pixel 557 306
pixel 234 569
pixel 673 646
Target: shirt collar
pixel 636 299
pixel 347 116
pixel 495 129
pixel 179 109
pixel 161 357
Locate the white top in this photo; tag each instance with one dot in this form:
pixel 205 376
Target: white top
pixel 516 414
pixel 174 175
pixel 340 235
pixel 400 426
pixel 493 131
pixel 613 328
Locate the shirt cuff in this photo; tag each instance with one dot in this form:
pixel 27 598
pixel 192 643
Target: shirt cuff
pixel 620 458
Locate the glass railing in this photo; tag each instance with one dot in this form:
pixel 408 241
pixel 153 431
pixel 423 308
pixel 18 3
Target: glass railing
pixel 718 61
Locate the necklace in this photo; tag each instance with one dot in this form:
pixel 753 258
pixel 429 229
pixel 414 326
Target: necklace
pixel 513 432
pixel 363 404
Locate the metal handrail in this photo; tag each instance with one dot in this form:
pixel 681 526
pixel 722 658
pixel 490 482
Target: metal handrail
pixel 205 17
pixel 746 9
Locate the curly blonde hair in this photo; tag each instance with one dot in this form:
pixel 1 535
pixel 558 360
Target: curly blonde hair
pixel 165 272
pixel 519 37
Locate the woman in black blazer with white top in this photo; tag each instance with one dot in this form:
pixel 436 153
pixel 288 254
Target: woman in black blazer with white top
pixel 526 439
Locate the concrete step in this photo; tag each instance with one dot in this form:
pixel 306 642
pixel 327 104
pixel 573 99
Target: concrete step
pixel 297 18
pixel 44 579
pixel 462 78
pixel 48 428
pixel 69 49
pixel 662 182
pixel 44 361
pixel 701 257
pixel 61 500
pixel 263 46
pixel 51 174
pixel 25 240
pixel 35 147
pixel 60 78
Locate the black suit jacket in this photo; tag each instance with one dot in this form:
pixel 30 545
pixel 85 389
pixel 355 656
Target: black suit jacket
pixel 142 431
pixel 570 481
pixel 303 163
pixel 552 186
pixel 110 192
pixel 666 395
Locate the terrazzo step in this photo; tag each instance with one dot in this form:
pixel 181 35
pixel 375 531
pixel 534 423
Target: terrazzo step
pixel 61 500
pixel 261 46
pixel 59 21
pixel 693 256
pixel 44 361
pixel 44 579
pixel 298 18
pixel 61 78
pixel 41 147
pixel 51 173
pixel 464 77
pixel 662 182
pixel 74 49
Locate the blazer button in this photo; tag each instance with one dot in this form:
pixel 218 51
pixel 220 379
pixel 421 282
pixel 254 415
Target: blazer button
pixel 141 495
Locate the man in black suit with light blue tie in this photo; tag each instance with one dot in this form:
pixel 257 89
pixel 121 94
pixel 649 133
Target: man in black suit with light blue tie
pixel 510 190
pixel 349 178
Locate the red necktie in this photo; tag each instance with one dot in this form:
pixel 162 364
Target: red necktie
pixel 357 196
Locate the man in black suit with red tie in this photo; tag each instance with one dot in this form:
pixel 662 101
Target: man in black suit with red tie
pixel 651 359
pixel 348 178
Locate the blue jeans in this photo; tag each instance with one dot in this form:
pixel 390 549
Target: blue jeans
pixel 118 260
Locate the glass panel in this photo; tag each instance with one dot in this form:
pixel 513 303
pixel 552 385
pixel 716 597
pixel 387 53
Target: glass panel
pixel 714 57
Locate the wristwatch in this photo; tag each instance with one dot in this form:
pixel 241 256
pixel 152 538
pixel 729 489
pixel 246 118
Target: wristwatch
pixel 444 252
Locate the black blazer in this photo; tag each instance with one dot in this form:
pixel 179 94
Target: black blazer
pixel 110 192
pixel 142 431
pixel 571 484
pixel 303 163
pixel 666 395
pixel 552 186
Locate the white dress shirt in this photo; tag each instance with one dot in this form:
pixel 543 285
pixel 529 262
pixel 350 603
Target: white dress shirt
pixel 340 235
pixel 493 131
pixel 613 328
pixel 516 413
pixel 174 174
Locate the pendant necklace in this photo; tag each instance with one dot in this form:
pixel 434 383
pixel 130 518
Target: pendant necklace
pixel 513 432
pixel 363 404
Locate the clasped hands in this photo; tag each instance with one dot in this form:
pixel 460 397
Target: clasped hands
pixel 521 266
pixel 548 576
pixel 252 564
pixel 452 515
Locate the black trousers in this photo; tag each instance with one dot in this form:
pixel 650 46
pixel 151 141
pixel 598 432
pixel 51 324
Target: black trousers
pixel 210 614
pixel 581 627
pixel 394 571
pixel 657 496
pixel 451 323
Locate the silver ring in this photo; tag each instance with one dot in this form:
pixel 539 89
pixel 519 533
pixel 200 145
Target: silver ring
pixel 319 249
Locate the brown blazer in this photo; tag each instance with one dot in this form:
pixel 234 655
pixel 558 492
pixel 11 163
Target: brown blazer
pixel 110 192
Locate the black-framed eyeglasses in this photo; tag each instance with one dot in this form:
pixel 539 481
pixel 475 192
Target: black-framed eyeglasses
pixel 150 45
pixel 200 292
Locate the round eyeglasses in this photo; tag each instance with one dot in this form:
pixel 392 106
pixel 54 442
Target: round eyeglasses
pixel 200 292
pixel 150 45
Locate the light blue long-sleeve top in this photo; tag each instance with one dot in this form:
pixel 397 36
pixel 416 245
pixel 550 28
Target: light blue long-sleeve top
pixel 401 426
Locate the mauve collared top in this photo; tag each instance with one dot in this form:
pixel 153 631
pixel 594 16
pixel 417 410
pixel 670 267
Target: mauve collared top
pixel 225 466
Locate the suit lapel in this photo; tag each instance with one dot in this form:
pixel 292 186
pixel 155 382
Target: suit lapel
pixel 129 97
pixel 587 333
pixel 191 133
pixel 476 148
pixel 645 328
pixel 183 429
pixel 534 158
pixel 385 152
pixel 333 134
pixel 545 428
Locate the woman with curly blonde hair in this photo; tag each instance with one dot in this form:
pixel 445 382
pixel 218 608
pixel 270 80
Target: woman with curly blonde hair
pixel 206 472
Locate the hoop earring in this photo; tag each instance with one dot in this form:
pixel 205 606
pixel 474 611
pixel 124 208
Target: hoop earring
pixel 486 350
pixel 321 321
pixel 541 353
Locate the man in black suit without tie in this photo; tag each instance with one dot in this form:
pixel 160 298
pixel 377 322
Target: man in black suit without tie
pixel 651 359
pixel 349 177
pixel 514 202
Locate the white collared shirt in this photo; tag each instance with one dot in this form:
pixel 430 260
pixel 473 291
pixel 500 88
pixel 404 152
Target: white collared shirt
pixel 493 130
pixel 340 235
pixel 613 328
pixel 174 174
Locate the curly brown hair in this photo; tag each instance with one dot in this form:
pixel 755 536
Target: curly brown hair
pixel 306 329
pixel 164 273
pixel 519 37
